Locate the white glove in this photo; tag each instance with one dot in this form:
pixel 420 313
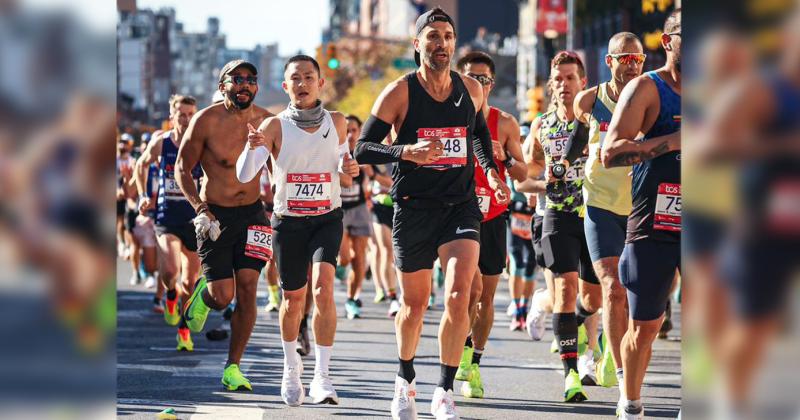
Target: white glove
pixel 203 226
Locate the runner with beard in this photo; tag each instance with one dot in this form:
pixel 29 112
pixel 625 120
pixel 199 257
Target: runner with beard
pixel 233 234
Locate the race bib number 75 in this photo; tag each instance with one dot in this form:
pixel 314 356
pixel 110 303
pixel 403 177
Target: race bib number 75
pixel 454 140
pixel 668 208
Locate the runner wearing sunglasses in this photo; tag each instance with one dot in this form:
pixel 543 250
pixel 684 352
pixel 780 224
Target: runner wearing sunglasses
pixel 607 194
pixel 507 154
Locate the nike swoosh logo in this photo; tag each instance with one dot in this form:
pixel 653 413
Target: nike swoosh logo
pixel 459 231
pixel 326 133
pixel 458 102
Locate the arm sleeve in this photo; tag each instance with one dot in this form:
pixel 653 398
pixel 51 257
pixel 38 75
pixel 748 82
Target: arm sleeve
pixel 482 143
pixel 344 149
pixel 369 148
pixel 249 163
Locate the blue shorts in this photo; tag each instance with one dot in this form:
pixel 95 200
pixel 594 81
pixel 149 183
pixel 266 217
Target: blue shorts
pixel 605 232
pixel 647 269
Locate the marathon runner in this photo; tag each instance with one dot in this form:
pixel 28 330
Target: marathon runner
pixel 507 154
pixel 175 236
pixel 308 147
pixel 606 193
pixel 357 223
pixel 649 104
pixel 232 231
pixel 435 113
pixel 270 272
pixel 522 260
pixel 145 230
pixel 563 241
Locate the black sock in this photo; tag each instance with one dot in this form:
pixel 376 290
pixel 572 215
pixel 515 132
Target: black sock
pixel 156 300
pixel 182 324
pixel 446 376
pixel 468 343
pixel 582 313
pixel 209 301
pixel 304 323
pixel 476 356
pixel 406 370
pixel 565 327
pixel 172 294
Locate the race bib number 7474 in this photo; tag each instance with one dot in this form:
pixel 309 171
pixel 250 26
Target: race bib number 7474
pixel 308 193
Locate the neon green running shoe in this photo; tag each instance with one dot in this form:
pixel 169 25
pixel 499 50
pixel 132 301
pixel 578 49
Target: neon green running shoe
pixel 196 311
pixel 233 379
pixel 606 371
pixel 380 295
pixel 573 389
pixel 172 313
pixel 184 338
pixel 583 340
pixel 473 388
pixel 554 346
pixel 465 365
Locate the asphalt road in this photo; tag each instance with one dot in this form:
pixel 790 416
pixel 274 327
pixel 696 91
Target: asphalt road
pixel 522 379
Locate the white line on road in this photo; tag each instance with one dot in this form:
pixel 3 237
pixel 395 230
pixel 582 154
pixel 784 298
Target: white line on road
pixel 225 412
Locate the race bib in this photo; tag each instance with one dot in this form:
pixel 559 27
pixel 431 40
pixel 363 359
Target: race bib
pixel 783 207
pixel 352 193
pixel 521 225
pixel 171 189
pixel 603 126
pixel 259 242
pixel 668 208
pixel 557 147
pixel 454 140
pixel 308 193
pixel 484 199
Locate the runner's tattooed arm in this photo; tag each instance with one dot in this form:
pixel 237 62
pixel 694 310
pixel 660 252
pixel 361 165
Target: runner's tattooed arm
pixel 638 104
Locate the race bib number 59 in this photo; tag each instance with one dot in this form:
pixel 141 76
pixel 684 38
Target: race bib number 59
pixel 308 193
pixel 454 140
pixel 259 242
pixel 668 208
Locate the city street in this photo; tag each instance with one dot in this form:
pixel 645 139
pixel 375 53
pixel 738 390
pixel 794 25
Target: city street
pixel 522 379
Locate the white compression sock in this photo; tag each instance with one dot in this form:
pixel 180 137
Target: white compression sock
pixel 323 358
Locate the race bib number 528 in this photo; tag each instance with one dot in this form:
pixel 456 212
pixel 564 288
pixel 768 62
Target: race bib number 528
pixel 259 242
pixel 454 140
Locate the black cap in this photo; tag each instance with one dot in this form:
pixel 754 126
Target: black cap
pixel 425 19
pixel 235 64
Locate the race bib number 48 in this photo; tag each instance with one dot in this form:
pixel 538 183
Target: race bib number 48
pixel 259 242
pixel 454 140
pixel 668 208
pixel 308 193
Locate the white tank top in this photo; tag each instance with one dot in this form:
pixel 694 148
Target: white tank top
pixel 306 173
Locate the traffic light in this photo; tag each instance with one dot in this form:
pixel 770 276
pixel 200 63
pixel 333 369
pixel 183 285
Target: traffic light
pixel 333 60
pixel 535 105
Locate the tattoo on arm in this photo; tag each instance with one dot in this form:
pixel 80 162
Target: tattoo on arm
pixel 632 158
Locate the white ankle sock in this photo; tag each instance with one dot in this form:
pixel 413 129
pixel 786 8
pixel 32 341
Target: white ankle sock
pixel 323 358
pixel 290 352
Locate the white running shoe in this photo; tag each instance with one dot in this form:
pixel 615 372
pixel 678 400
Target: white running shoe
pixel 150 282
pixel 512 309
pixel 394 308
pixel 442 405
pixel 625 415
pixel 404 405
pixel 292 391
pixel 321 390
pixel 134 279
pixel 535 323
pixel 587 370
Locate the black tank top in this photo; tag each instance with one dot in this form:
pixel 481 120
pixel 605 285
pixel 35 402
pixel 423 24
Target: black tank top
pixel 450 180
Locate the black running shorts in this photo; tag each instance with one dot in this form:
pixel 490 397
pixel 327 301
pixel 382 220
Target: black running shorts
pixel 564 245
pixel 418 233
pixel 185 233
pixel 300 241
pixel 492 260
pixel 221 258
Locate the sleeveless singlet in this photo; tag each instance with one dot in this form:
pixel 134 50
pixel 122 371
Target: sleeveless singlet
pixel 656 185
pixel 306 173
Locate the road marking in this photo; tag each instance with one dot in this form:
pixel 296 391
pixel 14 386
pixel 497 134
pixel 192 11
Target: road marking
pixel 224 412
